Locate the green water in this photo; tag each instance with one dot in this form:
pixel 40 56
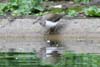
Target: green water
pixel 15 59
pixel 30 59
pixel 79 60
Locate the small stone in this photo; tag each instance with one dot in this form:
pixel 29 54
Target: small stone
pixel 57 6
pixel 71 2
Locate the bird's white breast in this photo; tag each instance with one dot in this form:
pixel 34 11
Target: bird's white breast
pixel 50 24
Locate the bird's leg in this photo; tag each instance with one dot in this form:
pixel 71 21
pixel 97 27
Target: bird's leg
pixel 55 29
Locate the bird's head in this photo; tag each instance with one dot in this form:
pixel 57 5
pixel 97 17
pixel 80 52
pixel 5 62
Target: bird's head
pixel 43 23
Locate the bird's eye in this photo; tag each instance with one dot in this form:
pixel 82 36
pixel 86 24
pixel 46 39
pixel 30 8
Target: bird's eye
pixel 41 23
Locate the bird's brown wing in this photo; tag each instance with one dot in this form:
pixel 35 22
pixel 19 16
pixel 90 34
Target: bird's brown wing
pixel 55 17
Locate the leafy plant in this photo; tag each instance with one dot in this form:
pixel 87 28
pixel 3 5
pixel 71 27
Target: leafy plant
pixel 2 6
pixel 72 13
pixel 92 11
pixel 21 7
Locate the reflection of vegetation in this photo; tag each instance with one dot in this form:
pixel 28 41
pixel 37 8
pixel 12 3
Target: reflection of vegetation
pixel 46 65
pixel 16 59
pixel 82 1
pixel 70 59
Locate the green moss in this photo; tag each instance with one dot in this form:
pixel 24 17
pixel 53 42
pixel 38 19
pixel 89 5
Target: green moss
pixel 56 10
pixel 77 8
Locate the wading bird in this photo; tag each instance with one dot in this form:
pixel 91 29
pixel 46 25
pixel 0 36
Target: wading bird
pixel 51 20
